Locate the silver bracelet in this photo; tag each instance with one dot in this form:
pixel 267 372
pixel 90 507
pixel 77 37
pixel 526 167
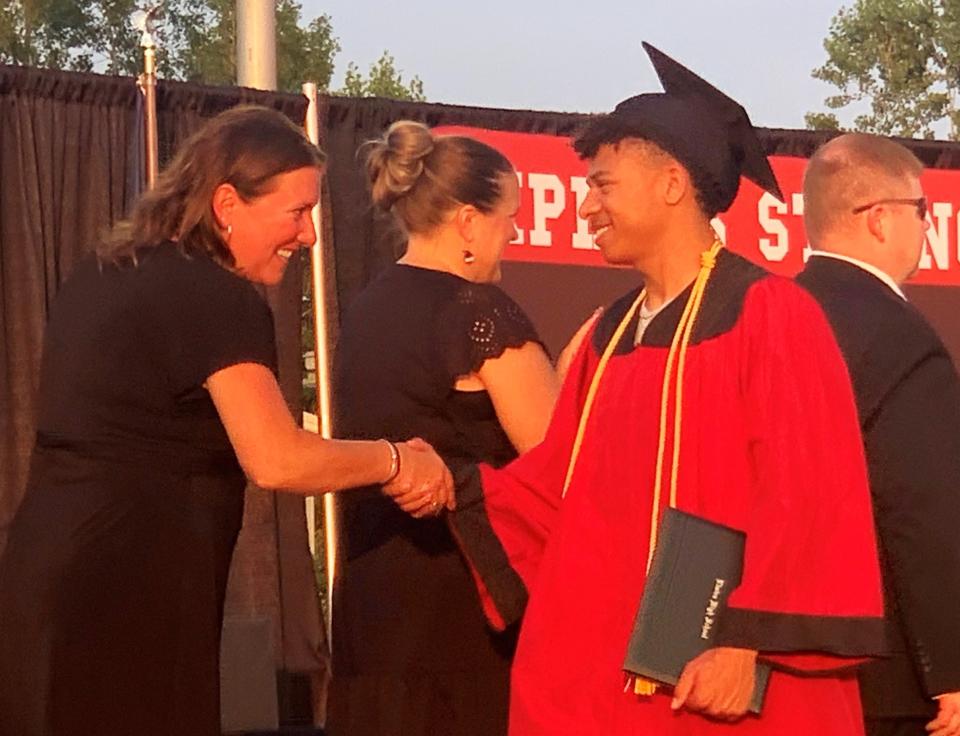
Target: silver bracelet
pixel 394 463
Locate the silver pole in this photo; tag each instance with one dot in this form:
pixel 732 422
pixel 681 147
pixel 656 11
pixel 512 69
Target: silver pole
pixel 256 44
pixel 149 86
pixel 144 21
pixel 322 354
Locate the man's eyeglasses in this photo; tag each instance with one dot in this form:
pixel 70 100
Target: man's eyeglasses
pixel 919 202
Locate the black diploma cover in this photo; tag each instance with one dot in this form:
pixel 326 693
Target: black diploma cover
pixel 695 567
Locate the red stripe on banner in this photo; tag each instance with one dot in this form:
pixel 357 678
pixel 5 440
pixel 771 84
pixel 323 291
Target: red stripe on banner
pixel 758 226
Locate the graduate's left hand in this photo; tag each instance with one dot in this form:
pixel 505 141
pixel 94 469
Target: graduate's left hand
pixel 718 683
pixel 947 722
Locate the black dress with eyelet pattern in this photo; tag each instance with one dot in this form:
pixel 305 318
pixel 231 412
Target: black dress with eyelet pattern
pixel 412 652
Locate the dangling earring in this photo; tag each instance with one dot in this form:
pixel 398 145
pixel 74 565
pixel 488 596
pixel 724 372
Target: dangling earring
pixel 229 232
pixel 468 257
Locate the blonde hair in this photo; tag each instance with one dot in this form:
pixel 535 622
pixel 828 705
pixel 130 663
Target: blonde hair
pixel 420 177
pixel 849 171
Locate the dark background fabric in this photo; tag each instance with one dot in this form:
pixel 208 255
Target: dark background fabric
pixel 67 144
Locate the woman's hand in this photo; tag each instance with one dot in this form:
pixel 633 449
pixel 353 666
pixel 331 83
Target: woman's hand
pixel 424 486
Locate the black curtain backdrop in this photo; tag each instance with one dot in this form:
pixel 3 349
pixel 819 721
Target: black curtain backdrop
pixel 365 241
pixel 70 165
pixel 67 143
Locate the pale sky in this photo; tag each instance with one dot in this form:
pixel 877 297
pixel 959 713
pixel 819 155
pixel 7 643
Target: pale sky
pixel 586 56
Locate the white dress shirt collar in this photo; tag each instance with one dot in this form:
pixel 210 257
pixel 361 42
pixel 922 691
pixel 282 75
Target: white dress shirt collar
pixel 871 269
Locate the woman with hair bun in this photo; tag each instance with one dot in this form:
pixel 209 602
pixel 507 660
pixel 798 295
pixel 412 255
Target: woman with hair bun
pixel 432 349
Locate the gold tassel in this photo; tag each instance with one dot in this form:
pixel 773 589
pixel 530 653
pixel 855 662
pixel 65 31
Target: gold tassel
pixel 643 686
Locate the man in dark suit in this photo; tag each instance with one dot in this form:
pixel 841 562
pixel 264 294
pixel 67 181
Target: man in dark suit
pixel 866 217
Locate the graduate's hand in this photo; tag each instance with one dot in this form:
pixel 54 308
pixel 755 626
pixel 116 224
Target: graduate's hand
pixel 947 722
pixel 424 486
pixel 718 683
pixel 570 351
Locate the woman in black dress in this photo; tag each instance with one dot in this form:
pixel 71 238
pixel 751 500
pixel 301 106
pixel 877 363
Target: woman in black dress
pixel 432 349
pixel 157 395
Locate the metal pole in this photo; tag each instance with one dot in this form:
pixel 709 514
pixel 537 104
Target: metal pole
pixel 148 86
pixel 256 44
pixel 322 354
pixel 150 114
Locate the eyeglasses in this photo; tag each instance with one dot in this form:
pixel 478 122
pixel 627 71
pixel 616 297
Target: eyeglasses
pixel 919 202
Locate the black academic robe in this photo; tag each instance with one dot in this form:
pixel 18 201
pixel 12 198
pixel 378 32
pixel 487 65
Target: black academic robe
pixel 908 397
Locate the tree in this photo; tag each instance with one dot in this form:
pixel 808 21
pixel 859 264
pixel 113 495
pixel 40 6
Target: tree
pixel 208 54
pixel 900 56
pixel 303 53
pixel 67 34
pixel 196 42
pixel 210 50
pixel 382 80
pixel 196 39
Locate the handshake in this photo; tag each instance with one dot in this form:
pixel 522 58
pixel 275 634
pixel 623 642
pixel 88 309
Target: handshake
pixel 421 483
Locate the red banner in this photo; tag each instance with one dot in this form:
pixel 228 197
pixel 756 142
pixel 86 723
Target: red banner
pixel 758 226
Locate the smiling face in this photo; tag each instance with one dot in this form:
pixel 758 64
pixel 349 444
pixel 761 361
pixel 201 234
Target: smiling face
pixel 264 233
pixel 624 205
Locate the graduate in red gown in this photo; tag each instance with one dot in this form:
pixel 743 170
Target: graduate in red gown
pixel 718 389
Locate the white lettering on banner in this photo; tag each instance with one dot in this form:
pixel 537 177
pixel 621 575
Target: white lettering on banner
pixel 582 239
pixel 519 239
pixel 796 200
pixel 937 242
pixel 773 226
pixel 552 196
pixel 543 210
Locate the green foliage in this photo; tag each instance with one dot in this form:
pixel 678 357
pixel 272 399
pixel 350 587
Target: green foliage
pixel 196 39
pixel 303 53
pixel 900 56
pixel 206 48
pixel 68 34
pixel 821 121
pixel 383 80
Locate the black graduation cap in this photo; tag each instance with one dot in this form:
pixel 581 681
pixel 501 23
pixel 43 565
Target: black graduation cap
pixel 703 129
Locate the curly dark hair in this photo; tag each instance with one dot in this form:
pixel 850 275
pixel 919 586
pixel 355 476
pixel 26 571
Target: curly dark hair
pixel 614 129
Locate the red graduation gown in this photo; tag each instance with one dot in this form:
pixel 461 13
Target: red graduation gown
pixel 770 445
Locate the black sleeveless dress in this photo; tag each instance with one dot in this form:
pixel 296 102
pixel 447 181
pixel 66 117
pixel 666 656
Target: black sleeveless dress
pixel 412 653
pixel 113 580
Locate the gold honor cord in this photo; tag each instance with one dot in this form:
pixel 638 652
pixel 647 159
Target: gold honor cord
pixel 594 385
pixel 681 338
pixel 678 355
pixel 678 351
